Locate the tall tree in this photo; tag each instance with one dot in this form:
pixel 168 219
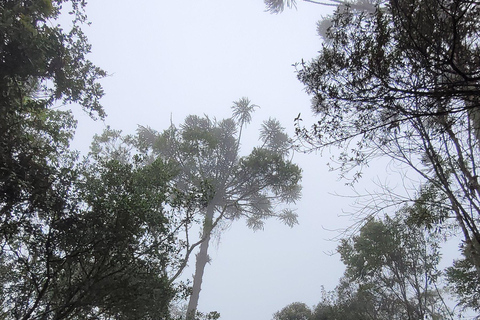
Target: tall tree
pixel 77 240
pixel 403 82
pixel 229 186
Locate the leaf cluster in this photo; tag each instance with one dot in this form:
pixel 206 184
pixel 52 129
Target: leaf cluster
pixel 41 61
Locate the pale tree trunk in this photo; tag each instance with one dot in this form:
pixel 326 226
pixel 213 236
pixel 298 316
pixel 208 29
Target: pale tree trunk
pixel 473 243
pixel 201 261
pixel 474 114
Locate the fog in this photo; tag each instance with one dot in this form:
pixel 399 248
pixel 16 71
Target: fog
pixel 170 59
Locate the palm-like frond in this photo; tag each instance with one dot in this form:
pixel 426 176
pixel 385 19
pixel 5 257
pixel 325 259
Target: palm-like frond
pixel 277 6
pixel 242 110
pixel 274 137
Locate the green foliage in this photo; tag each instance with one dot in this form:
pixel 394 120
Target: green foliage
pixel 430 209
pixel 102 251
pixel 39 64
pixel 83 240
pixel 41 61
pixel 32 143
pixel 395 268
pixel 347 303
pixel 401 80
pixel 391 273
pixel 465 283
pixel 294 311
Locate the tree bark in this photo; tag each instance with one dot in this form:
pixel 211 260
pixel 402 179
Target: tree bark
pixel 201 261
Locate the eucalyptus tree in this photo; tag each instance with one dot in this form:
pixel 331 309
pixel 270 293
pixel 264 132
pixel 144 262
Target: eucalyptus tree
pixel 228 185
pixel 402 81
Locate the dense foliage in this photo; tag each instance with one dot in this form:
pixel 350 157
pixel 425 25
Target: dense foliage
pixel 294 311
pixel 400 79
pixel 83 239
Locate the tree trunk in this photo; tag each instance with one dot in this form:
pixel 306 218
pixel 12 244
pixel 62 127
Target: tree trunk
pixel 474 114
pixel 201 261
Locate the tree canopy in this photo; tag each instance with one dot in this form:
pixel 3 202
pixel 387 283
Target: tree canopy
pixel 402 81
pixel 294 311
pixel 391 273
pixel 394 267
pixel 78 239
pixel 228 186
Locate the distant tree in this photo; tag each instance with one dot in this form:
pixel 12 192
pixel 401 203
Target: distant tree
pixel 402 81
pixel 394 266
pixel 346 302
pixel 391 273
pixel 229 186
pixel 294 311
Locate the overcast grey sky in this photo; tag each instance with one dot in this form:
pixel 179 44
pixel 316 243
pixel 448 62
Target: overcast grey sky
pixel 169 59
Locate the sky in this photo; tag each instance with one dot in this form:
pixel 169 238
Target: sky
pixel 169 59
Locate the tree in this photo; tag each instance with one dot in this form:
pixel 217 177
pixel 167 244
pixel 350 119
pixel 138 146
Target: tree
pixel 403 82
pixel 227 186
pixel 77 240
pixel 391 273
pixel 40 64
pixel 101 252
pixel 465 283
pixel 395 267
pixel 346 302
pixel 294 311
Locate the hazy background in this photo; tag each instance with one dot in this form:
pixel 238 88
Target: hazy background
pixel 169 59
